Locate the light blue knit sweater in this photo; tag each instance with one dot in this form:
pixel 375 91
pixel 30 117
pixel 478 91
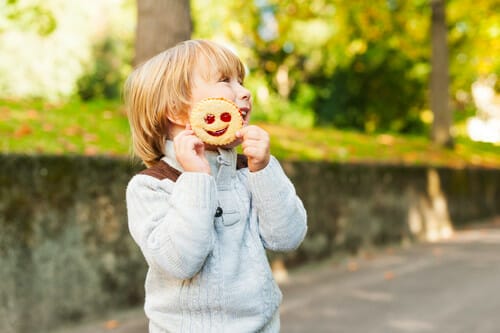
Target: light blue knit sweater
pixel 206 273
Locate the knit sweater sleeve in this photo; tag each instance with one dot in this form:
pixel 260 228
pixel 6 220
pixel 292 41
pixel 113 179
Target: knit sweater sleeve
pixel 173 222
pixel 282 217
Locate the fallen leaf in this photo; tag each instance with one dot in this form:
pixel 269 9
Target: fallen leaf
pixel 72 130
pixel 32 114
pixel 91 150
pixel 4 113
pixel 23 130
pixel 352 266
pixel 389 275
pixel 385 139
pixel 47 127
pixel 89 137
pixel 71 147
pixel 369 255
pixel 437 252
pixel 111 324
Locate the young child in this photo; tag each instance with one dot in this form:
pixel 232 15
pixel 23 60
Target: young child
pixel 202 215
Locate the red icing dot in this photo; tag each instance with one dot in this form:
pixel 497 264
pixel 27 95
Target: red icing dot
pixel 225 117
pixel 209 118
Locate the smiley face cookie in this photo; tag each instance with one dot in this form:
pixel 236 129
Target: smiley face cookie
pixel 215 121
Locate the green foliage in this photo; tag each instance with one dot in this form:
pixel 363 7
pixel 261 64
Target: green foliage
pixel 27 17
pixel 474 39
pixel 370 97
pixel 45 60
pixel 271 108
pixel 106 72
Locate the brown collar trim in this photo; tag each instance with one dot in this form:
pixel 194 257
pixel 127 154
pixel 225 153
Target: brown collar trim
pixel 162 170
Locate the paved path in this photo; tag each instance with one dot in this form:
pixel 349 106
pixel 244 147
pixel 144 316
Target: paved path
pixel 448 287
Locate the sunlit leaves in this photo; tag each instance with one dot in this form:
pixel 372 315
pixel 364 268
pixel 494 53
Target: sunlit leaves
pixel 474 36
pixel 27 16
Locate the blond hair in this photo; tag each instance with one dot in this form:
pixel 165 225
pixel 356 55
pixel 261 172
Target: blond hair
pixel 160 89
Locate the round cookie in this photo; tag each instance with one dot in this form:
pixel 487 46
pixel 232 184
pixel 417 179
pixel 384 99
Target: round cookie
pixel 215 121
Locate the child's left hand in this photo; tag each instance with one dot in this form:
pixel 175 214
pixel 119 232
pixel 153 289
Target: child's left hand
pixel 255 146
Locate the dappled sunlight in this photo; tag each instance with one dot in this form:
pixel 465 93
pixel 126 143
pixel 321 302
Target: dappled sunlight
pixel 484 130
pixel 428 215
pixel 485 126
pixel 410 325
pixel 485 236
pixel 279 270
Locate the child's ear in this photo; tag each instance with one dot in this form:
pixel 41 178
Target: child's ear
pixel 177 120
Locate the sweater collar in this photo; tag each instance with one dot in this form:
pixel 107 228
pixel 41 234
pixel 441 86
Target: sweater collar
pixel 169 157
pixel 222 162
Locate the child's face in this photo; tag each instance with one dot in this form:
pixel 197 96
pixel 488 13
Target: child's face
pixel 217 85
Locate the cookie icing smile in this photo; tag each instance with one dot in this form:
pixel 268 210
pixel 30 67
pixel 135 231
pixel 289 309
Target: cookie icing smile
pixel 217 133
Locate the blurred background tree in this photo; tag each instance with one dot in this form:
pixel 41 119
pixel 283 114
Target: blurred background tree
pixel 358 65
pixel 160 25
pixel 439 85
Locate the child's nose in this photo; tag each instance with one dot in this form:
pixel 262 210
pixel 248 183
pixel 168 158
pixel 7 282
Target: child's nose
pixel 244 93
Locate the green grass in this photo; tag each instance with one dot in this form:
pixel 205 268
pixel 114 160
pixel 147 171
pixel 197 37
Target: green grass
pixel 101 128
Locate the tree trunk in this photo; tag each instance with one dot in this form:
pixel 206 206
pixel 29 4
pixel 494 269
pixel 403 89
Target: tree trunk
pixel 439 76
pixel 160 25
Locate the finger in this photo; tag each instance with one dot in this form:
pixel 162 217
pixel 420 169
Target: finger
pixel 254 132
pixel 250 152
pixel 262 142
pixel 243 131
pixel 192 143
pixel 245 134
pixel 186 141
pixel 253 143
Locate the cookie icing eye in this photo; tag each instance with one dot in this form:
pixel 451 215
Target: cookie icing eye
pixel 209 118
pixel 225 117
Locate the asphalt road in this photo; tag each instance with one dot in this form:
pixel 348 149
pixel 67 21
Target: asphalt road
pixel 452 286
pixel 447 287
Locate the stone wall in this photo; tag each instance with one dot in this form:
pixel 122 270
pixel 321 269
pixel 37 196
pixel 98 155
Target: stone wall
pixel 66 254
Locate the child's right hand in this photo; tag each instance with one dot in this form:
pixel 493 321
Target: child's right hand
pixel 190 151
